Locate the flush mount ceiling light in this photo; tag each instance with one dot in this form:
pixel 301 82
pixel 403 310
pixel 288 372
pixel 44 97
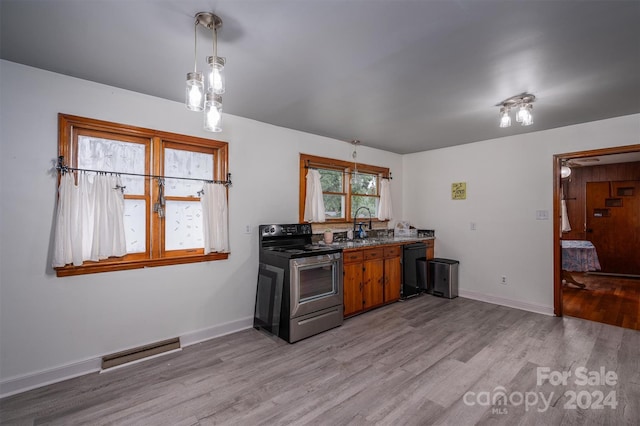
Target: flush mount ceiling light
pixel 523 104
pixel 565 171
pixel 196 97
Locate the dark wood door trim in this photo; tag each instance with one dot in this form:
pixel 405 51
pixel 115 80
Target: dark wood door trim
pixel 557 255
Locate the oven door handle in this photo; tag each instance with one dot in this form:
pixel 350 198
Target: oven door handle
pixel 316 260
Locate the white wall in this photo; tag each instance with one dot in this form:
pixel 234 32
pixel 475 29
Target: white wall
pixel 48 325
pixel 508 179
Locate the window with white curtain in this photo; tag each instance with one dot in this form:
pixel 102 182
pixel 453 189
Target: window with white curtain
pixel 346 186
pixel 163 219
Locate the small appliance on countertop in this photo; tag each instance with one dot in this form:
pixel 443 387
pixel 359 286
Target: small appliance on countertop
pixel 426 233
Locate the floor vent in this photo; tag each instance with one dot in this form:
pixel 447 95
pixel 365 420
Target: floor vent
pixel 135 354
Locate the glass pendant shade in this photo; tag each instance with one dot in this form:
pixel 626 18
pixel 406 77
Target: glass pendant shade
pixel 194 91
pixel 527 117
pixel 565 172
pixel 505 120
pixel 216 74
pixel 524 116
pixel 213 113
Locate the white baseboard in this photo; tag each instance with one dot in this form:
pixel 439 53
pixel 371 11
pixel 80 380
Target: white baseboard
pixel 19 384
pixel 525 306
pixel 14 385
pixel 216 331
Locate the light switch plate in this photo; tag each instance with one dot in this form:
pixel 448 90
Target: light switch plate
pixel 542 214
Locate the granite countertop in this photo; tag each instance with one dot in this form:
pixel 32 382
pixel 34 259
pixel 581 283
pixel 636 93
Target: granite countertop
pixel 373 242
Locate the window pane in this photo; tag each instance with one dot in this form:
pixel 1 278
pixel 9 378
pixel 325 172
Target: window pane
pixel 364 183
pixel 114 156
pixel 331 180
pixel 358 201
pixel 334 206
pixel 189 164
pixel 183 225
pixel 135 225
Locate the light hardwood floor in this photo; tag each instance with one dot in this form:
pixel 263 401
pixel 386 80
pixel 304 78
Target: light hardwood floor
pixel 409 363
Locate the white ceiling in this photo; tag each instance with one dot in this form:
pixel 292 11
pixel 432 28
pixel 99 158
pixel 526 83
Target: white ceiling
pixel 401 75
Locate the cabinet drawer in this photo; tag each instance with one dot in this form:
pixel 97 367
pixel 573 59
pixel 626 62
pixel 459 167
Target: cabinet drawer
pixel 352 256
pixel 375 253
pixel 392 251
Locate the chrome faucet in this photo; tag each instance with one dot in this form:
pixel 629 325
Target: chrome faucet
pixel 355 218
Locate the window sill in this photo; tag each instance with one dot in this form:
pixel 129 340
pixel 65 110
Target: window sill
pixel 119 265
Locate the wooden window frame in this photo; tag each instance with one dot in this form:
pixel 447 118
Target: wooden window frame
pixel 69 126
pixel 307 161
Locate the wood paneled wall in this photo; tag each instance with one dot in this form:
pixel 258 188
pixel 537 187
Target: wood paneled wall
pixel 575 191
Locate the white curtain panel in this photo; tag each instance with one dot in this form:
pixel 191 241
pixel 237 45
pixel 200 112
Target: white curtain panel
pixel 566 227
pixel 89 221
pixel 215 218
pixel 385 211
pixel 314 203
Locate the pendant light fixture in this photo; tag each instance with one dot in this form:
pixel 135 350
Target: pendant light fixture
pixel 523 104
pixel 197 99
pixel 354 175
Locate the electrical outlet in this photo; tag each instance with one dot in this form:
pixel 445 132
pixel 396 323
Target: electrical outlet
pixel 503 281
pixel 247 229
pixel 472 226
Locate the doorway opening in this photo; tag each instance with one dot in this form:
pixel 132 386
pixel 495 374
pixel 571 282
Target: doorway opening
pixel 599 293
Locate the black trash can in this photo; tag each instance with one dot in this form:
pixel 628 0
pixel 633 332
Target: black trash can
pixel 442 277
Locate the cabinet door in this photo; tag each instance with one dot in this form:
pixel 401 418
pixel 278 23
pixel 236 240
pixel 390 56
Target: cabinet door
pixel 352 288
pixel 373 283
pixel 392 279
pixel 430 249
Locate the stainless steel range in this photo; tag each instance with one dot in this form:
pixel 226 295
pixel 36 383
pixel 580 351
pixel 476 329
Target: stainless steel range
pixel 299 290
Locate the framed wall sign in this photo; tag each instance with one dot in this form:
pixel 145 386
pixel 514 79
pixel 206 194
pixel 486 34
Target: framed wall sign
pixel 459 191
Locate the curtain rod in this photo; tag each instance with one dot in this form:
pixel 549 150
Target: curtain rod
pixel 307 166
pixel 65 169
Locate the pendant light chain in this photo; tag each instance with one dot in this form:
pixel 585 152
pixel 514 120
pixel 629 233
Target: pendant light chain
pixel 215 42
pixel 195 46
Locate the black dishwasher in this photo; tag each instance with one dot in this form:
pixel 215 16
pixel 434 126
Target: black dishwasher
pixel 412 278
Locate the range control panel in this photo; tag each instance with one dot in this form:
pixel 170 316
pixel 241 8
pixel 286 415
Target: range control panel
pixel 285 230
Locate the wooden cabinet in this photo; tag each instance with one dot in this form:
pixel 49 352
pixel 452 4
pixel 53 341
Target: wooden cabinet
pixel 430 249
pixel 353 286
pixel 392 273
pixel 372 277
pixel 373 270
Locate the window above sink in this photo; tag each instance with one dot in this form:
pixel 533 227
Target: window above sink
pixel 345 188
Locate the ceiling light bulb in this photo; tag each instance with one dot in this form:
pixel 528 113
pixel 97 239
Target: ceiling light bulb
pixel 195 89
pixel 505 120
pixel 527 117
pixel 216 74
pixel 565 172
pixel 521 113
pixel 213 113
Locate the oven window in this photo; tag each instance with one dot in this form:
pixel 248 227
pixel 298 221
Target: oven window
pixel 316 282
